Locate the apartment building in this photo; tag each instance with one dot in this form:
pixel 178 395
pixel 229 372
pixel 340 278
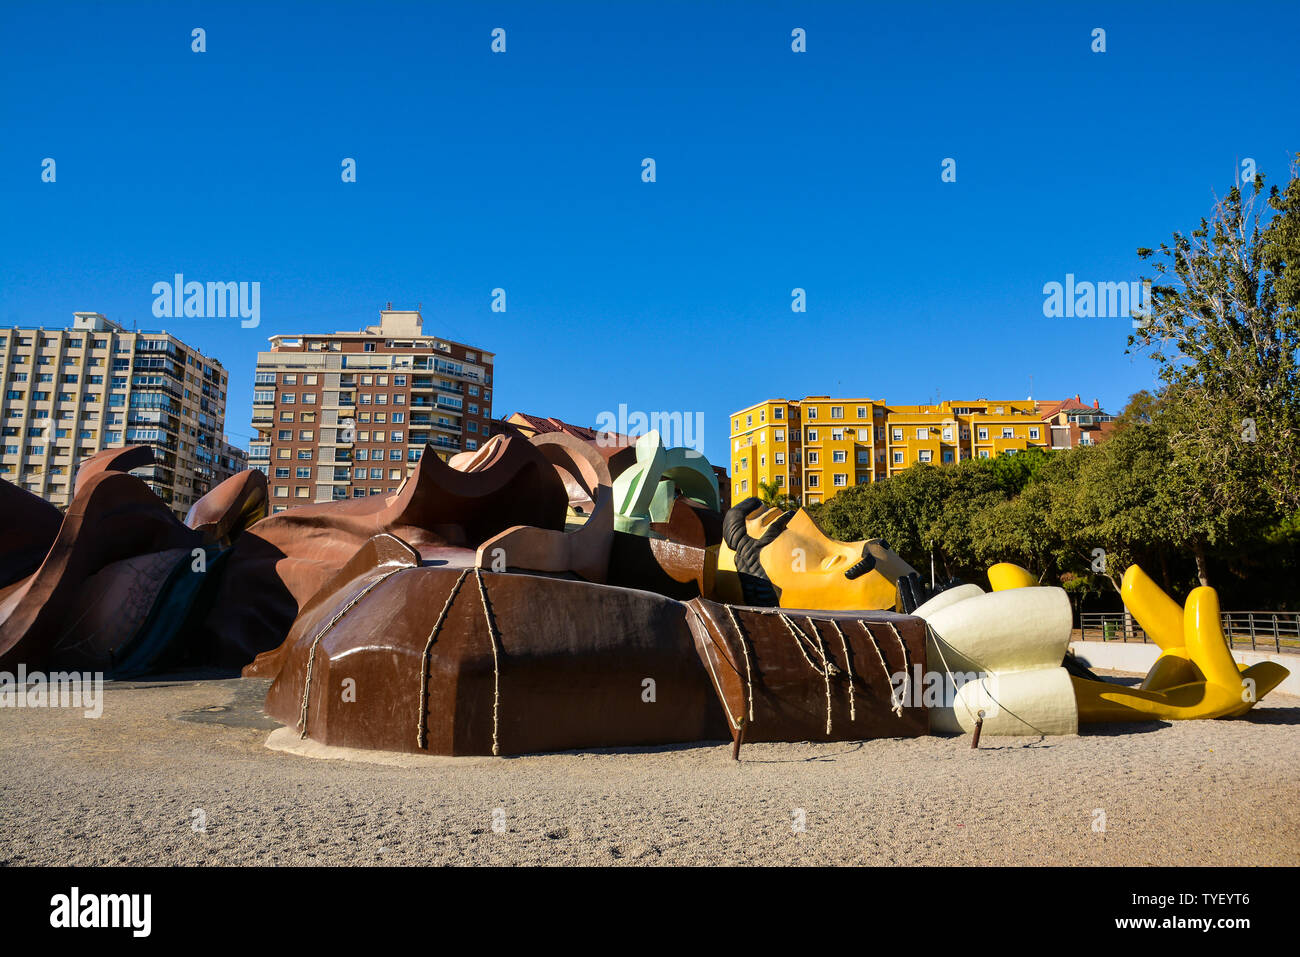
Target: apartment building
pixel 1072 423
pixel 814 447
pixel 69 393
pixel 348 414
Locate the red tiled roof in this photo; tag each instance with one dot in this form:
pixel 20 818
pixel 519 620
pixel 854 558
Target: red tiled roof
pixel 1048 409
pixel 552 424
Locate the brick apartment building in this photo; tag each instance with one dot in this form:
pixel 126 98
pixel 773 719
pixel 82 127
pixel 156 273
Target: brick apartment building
pixel 348 414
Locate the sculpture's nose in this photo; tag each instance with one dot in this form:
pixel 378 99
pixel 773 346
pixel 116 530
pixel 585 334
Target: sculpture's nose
pixel 858 569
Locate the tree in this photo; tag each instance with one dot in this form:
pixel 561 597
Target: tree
pixel 1224 330
pixel 774 496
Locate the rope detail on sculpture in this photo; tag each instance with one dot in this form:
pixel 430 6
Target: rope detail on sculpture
pixel 422 724
pixel 749 675
pixel 853 715
pixel 311 654
pixel 496 663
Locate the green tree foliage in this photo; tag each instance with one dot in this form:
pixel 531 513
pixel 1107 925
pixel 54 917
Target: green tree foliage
pixel 1223 332
pixel 774 496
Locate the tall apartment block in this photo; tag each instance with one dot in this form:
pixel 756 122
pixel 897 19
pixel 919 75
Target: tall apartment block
pixel 69 393
pixel 348 414
pixel 814 447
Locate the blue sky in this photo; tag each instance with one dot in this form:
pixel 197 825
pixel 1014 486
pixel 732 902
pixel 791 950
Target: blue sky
pixel 522 170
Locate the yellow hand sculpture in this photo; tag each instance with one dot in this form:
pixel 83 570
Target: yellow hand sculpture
pixel 1194 677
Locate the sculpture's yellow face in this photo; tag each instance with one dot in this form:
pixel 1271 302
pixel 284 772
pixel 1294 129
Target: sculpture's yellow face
pixel 784 556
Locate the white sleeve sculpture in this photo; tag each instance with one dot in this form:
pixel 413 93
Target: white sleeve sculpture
pixel 1004 651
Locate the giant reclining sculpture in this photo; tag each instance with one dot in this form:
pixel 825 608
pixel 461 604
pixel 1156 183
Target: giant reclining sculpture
pixel 524 597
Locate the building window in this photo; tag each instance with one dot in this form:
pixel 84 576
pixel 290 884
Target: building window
pixel 837 412
pixel 1033 433
pixel 983 434
pixel 898 458
pixel 839 455
pixel 841 479
pixel 778 413
pixel 898 435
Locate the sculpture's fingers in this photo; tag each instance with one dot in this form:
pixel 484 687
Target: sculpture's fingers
pixel 1103 701
pixel 1203 637
pixel 1157 613
pixel 1257 681
pixel 1004 576
pixel 1169 671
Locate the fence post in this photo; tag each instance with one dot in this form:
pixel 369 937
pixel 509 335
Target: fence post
pixel 1250 620
pixel 1277 637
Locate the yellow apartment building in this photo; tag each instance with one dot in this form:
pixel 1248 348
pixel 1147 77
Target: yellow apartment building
pixel 814 447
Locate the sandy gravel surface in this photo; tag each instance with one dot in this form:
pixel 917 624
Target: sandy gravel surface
pixel 124 789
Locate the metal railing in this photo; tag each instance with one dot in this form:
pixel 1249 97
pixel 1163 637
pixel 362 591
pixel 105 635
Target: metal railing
pixel 1276 631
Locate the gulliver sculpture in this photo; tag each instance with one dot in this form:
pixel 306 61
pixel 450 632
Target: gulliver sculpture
pixel 542 594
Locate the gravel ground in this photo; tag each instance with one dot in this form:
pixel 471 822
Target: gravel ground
pixel 134 786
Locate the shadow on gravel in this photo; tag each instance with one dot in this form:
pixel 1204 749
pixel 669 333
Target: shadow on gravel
pixel 1106 729
pixel 1264 715
pixel 243 711
pixel 856 746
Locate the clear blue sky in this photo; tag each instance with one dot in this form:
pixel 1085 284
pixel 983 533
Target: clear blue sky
pixel 775 170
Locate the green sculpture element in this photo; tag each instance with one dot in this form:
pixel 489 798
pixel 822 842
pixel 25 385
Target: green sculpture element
pixel 644 492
